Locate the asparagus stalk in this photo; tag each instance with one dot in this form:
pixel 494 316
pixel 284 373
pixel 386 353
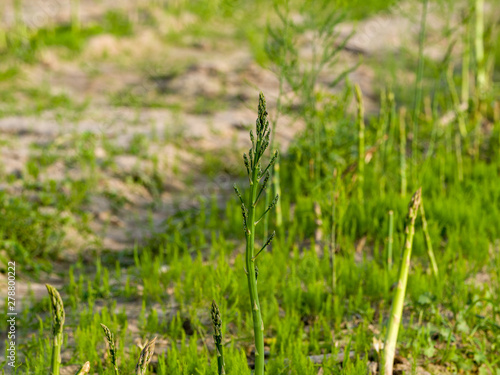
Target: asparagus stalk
pixel 479 47
pixel 466 61
pixel 402 147
pixel 390 239
pixel 398 301
pixel 217 322
pixel 361 141
pixel 58 316
pixel 419 85
pixel 260 142
pixel 85 369
pixel 145 357
pixel 112 347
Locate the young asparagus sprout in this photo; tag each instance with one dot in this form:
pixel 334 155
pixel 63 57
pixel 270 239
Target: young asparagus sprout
pixel 217 322
pixel 85 369
pixel 112 347
pixel 398 301
pixel 58 316
pixel 260 142
pixel 145 357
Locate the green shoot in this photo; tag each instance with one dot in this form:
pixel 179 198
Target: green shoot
pixel 419 83
pixel 58 316
pixel 479 47
pixel 390 239
pixel 361 141
pixel 398 301
pixel 145 357
pixel 464 93
pixel 402 148
pixel 260 142
pixel 112 347
pixel 85 369
pixel 217 322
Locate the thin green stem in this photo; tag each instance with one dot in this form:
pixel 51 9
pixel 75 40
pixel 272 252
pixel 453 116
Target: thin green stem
pixel 398 301
pixel 456 102
pixel 258 325
pixel 402 149
pixel 419 84
pixel 430 251
pixel 75 16
pixel 479 47
pixel 466 62
pixel 390 239
pixel 361 141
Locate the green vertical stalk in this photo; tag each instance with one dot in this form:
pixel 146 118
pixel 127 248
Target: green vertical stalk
pixel 217 323
pixel 479 47
pixel 333 238
pixel 390 239
pixel 418 85
pixel 458 153
pixel 361 141
pixel 466 62
pixel 456 102
pixel 391 124
pixel 112 347
pixel 3 28
pixel 260 142
pixel 398 301
pixel 75 16
pixel 18 16
pixel 402 150
pixel 430 251
pixel 58 316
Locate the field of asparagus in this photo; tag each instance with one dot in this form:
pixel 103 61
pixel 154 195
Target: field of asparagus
pixel 250 187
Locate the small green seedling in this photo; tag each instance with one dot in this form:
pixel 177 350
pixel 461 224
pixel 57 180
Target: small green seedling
pixel 58 316
pixel 217 322
pixel 260 142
